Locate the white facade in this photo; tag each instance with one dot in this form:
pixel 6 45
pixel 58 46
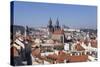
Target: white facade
pixel 67 46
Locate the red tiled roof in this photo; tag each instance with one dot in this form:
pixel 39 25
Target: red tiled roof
pixel 14 51
pixel 94 43
pixel 78 47
pixel 61 57
pixel 58 31
pixel 86 42
pixel 81 58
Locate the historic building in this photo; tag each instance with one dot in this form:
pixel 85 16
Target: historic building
pixel 55 31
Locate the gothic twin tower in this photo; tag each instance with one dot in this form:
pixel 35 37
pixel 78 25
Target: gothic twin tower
pixel 51 27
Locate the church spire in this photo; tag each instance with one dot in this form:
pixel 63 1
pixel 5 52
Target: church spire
pixel 57 22
pixel 50 26
pixel 57 25
pixel 50 22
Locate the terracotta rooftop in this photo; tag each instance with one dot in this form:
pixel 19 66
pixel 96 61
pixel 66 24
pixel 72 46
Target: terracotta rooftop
pixel 74 58
pixel 58 31
pixel 94 43
pixel 81 58
pixel 78 47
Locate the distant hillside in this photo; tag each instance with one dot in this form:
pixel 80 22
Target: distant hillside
pixel 15 28
pixel 89 30
pixel 64 26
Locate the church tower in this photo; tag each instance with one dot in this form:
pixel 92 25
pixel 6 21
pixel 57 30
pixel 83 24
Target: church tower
pixel 50 26
pixel 57 27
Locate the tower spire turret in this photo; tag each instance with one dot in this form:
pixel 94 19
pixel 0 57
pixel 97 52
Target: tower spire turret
pixel 50 26
pixel 57 25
